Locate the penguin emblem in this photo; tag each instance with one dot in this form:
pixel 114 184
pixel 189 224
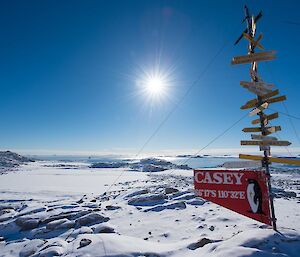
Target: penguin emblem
pixel 254 196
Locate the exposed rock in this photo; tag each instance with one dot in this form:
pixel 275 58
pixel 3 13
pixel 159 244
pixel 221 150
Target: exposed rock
pixel 68 215
pixel 103 229
pixel 278 192
pixel 152 168
pixel 139 192
pixel 112 207
pixel 200 243
pixel 196 202
pixel 51 251
pixel 211 228
pixel 91 219
pixel 30 248
pixel 174 206
pixel 148 200
pixel 53 224
pixel 13 157
pixel 144 165
pixel 66 225
pixel 171 190
pixel 84 230
pixel 109 165
pixel 10 160
pixel 84 242
pixel 27 223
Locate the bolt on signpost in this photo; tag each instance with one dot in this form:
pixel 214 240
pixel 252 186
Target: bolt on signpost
pixel 265 95
pixel 248 192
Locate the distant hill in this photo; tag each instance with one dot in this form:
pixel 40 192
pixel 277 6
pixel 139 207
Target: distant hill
pixel 10 160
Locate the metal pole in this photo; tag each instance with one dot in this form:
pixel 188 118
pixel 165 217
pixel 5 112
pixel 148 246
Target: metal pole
pixel 271 196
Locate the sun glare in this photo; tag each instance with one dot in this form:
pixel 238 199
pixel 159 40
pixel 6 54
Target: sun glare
pixel 155 85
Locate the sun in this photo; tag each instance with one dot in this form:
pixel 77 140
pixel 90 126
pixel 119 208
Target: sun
pixel 155 85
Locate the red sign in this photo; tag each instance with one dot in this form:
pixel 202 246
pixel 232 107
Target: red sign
pixel 242 191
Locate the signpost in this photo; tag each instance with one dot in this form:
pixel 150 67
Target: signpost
pixel 244 191
pixel 264 96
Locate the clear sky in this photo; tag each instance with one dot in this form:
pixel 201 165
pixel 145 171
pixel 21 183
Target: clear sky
pixel 71 72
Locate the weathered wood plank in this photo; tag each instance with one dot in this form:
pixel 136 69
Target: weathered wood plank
pixel 276 99
pixel 255 43
pixel 267 142
pixel 265 97
pixel 261 137
pixel 291 161
pixel 254 129
pixel 268 117
pixel 260 85
pixel 273 129
pixel 259 109
pixel 256 57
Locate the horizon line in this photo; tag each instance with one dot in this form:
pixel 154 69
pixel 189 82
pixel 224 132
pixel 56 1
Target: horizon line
pixel 161 152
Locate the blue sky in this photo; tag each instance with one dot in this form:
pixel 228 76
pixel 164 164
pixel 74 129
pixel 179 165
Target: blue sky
pixel 69 71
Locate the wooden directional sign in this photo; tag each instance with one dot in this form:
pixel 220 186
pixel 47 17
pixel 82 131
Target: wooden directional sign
pixel 267 142
pixel 273 129
pixel 267 117
pixel 277 143
pixel 255 57
pixel 257 91
pixel 258 88
pixel 254 42
pixel 257 44
pixel 261 137
pixel 250 104
pixel 259 109
pixel 260 85
pixel 291 161
pixel 254 129
pixel 270 94
pixel 268 130
pixel 276 99
pixel 266 97
pixel 252 157
pixel 264 120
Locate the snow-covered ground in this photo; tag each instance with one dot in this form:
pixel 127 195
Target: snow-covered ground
pixel 52 208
